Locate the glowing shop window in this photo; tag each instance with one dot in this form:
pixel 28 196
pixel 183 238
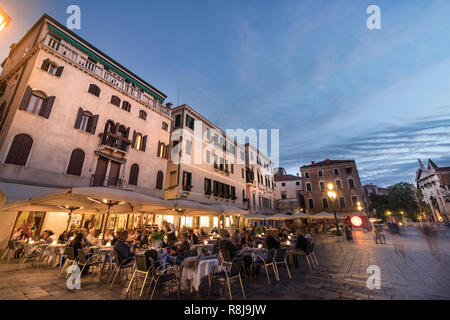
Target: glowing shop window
pixel 227 222
pixel 186 221
pixel 216 222
pixel 204 221
pixel 168 219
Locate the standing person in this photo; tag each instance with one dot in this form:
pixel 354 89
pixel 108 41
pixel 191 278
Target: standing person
pixel 236 239
pixel 170 231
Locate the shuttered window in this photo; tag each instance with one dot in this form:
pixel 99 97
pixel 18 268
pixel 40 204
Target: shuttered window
pixel 76 162
pixel 19 150
pixel 86 121
pixel 142 114
pixel 126 106
pixel 115 100
pixel 36 102
pixel 134 174
pixel 94 90
pixel 159 180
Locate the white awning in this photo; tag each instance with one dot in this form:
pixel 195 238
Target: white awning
pixel 91 200
pixel 325 215
pixel 229 210
pixel 191 208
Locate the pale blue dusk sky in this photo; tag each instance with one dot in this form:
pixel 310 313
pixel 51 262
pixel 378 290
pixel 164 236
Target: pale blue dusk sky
pixel 312 69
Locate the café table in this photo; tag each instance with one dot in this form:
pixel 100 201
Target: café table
pixel 199 247
pixel 193 269
pixel 254 252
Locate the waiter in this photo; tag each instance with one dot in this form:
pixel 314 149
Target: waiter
pixel 170 229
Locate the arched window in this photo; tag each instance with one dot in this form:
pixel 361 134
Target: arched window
pixel 159 180
pixel 126 106
pixel 115 100
pixel 94 90
pixel 134 174
pixel 19 150
pixel 76 162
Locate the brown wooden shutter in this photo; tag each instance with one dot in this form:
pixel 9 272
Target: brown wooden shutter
pixel 76 162
pixel 133 141
pixel 26 98
pixel 134 174
pixel 105 132
pixel 167 151
pixel 116 128
pixel 159 148
pixel 94 124
pixel 144 143
pixel 47 107
pixel 159 180
pixel 59 71
pixel 45 64
pixel 78 119
pixel 19 150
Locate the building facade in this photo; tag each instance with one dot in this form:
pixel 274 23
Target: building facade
pixel 370 189
pixel 70 116
pixel 205 165
pixel 344 177
pixel 434 182
pixel 260 182
pixel 288 192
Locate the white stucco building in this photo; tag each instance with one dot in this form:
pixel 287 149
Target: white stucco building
pixel 434 182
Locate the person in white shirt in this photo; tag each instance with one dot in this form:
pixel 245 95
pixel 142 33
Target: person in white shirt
pixel 170 230
pixel 92 240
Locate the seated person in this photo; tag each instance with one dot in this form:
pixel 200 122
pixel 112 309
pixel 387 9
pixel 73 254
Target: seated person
pixel 193 237
pixel 178 256
pixel 271 242
pixel 63 237
pixel 91 239
pixel 226 244
pixel 123 250
pixel 302 242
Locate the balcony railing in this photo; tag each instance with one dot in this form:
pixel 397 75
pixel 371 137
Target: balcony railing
pixel 98 180
pixel 112 141
pixel 77 57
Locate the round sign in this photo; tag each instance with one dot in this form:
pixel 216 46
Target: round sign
pixel 356 221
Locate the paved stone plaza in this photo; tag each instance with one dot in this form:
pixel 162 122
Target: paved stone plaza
pixel 409 270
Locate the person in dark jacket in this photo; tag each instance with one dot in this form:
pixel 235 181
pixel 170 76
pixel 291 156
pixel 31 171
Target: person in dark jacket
pixel 77 244
pixel 193 237
pixel 302 242
pixel 271 242
pixel 122 249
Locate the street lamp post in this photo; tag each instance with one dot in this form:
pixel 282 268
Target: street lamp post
pixel 332 195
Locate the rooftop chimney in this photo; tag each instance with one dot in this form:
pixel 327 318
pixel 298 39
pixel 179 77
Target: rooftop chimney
pixel 169 105
pixel 313 162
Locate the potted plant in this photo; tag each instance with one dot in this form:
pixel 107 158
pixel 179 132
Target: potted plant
pixel 156 239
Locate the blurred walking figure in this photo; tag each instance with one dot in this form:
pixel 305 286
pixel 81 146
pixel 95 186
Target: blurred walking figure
pixel 429 233
pixel 379 234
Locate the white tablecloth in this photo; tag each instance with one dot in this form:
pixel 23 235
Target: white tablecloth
pixel 204 268
pixel 199 247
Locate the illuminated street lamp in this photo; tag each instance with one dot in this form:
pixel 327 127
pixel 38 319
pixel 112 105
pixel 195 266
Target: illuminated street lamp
pixel 332 195
pixel 4 19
